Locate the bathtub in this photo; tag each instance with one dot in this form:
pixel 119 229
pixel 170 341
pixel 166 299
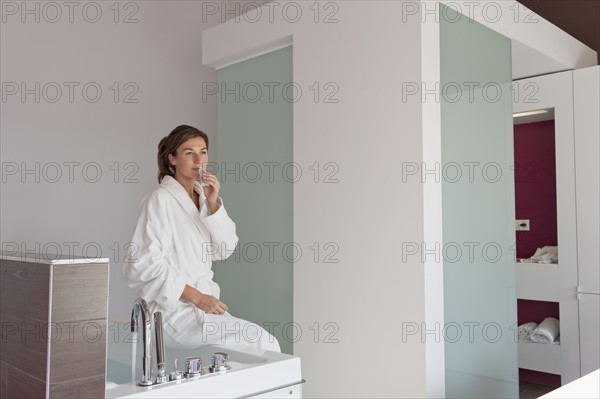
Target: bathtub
pixel 258 375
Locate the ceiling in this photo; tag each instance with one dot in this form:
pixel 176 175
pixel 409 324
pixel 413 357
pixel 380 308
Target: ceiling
pixel 579 18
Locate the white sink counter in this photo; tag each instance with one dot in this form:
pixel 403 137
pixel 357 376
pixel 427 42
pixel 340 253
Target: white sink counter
pixel 251 375
pixel 587 386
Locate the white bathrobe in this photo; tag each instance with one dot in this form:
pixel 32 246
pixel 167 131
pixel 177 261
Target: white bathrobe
pixel 174 244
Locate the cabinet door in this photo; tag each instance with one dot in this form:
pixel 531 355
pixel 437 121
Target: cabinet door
pixel 587 156
pixel 586 84
pixel 589 330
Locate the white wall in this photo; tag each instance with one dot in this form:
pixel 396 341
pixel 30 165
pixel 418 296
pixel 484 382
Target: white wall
pixel 161 55
pixel 370 294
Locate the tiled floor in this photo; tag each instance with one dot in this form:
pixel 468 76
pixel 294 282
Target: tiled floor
pixel 532 391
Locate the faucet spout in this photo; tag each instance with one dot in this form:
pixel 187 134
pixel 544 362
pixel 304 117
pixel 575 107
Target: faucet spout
pixel 140 306
pixel 160 349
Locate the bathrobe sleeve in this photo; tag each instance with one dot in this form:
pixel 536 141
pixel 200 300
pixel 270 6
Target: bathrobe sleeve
pixel 148 270
pixel 222 233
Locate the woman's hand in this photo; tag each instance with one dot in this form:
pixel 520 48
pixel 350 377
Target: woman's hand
pixel 210 304
pixel 207 303
pixel 212 191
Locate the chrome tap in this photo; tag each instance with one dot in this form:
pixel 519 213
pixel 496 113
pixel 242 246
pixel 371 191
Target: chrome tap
pixel 140 305
pixel 160 349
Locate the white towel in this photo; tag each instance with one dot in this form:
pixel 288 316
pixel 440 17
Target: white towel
pixel 526 329
pixel 547 331
pixel 547 254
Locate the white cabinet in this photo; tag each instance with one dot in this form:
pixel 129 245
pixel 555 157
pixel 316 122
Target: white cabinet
pixel 587 157
pixel 575 282
pixel 537 282
pixel 540 357
pixel 555 283
pixel 586 88
pixel 589 326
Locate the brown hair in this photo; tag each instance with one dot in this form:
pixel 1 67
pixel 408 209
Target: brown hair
pixel 168 145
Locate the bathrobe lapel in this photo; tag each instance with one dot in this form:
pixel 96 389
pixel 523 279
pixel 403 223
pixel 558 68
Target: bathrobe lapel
pixel 178 192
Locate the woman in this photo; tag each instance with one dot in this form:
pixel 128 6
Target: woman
pixel 182 227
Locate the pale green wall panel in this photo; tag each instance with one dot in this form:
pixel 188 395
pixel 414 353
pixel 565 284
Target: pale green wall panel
pixel 478 211
pixel 254 127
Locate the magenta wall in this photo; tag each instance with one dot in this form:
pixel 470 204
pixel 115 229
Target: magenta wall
pixel 535 185
pixel 536 311
pixel 535 377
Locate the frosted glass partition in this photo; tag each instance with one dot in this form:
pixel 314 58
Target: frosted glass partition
pixel 254 155
pixel 478 210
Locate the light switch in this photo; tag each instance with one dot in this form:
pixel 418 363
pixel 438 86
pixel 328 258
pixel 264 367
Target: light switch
pixel 522 224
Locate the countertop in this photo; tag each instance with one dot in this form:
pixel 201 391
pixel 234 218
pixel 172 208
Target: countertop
pixel 587 386
pixel 50 259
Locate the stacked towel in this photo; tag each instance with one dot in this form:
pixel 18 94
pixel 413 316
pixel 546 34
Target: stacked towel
pixel 547 254
pixel 547 331
pixel 526 329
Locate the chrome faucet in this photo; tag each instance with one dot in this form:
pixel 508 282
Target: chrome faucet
pixel 160 349
pixel 140 306
pixel 193 364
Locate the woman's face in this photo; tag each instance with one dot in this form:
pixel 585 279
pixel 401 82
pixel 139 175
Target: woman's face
pixel 190 156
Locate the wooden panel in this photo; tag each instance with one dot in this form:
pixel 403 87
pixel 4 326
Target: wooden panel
pixel 26 348
pixel 79 292
pixel 79 310
pixel 3 379
pixel 79 352
pixel 92 387
pixel 21 385
pixel 78 329
pixel 25 288
pixel 38 292
pixel 13 290
pixel 24 316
